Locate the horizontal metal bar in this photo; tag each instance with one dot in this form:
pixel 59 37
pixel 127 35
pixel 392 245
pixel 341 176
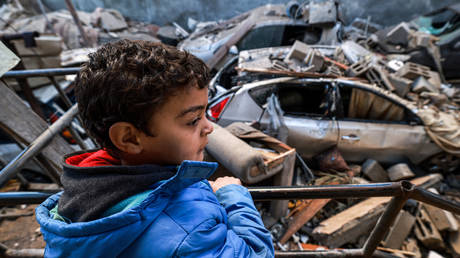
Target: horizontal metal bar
pixel 15 198
pixel 331 192
pixel 41 72
pixel 333 253
pixel 303 192
pixel 322 253
pixel 435 200
pixel 37 145
pixel 325 191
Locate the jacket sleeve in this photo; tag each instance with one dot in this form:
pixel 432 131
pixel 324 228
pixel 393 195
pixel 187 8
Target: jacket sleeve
pixel 244 235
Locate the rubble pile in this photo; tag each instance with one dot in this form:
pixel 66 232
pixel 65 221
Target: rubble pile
pixel 322 224
pixel 386 61
pixel 300 99
pixel 100 26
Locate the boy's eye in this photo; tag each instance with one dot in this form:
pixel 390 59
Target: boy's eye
pixel 194 122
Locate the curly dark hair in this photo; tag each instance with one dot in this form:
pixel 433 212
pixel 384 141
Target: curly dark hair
pixel 128 80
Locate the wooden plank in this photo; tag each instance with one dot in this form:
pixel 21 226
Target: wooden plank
pixel 303 217
pixel 23 125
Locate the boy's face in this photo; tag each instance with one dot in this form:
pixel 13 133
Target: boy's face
pixel 180 130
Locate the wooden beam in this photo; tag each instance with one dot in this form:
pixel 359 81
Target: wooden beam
pixel 24 125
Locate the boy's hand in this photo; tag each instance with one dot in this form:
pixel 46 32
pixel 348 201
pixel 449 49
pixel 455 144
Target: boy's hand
pixel 223 181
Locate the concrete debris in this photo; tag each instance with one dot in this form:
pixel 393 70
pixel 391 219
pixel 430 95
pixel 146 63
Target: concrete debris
pixel 401 85
pixel 399 230
pixel 359 68
pixel 421 84
pixel 322 13
pixel 60 23
pixel 108 19
pixel 412 71
pixel 399 35
pixel 372 170
pixel 298 51
pixel 400 172
pixel 442 219
pixel 354 52
pixel 427 233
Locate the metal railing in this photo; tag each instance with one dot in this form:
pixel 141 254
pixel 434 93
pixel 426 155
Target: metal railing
pixel 400 191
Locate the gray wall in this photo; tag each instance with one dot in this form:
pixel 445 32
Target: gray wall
pixel 160 12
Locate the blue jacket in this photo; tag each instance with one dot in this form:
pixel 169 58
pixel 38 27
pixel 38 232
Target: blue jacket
pixel 181 217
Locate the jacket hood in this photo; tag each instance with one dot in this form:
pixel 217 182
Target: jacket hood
pixel 93 182
pixel 91 159
pixel 123 228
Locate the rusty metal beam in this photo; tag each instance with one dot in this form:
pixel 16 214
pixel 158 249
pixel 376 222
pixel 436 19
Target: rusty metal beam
pixel 387 219
pixel 325 192
pixel 435 200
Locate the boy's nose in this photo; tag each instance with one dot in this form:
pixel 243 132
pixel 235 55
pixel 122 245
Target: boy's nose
pixel 208 127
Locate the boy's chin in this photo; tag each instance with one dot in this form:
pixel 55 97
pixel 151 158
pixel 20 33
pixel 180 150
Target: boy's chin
pixel 200 156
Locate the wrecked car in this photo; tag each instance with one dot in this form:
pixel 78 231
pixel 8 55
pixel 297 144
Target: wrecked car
pixel 266 26
pixel 362 120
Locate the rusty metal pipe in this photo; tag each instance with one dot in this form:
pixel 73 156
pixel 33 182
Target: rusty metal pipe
pixel 332 253
pixel 435 200
pixel 325 192
pixel 388 217
pixel 323 253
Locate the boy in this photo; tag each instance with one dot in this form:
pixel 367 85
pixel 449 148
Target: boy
pixel 145 193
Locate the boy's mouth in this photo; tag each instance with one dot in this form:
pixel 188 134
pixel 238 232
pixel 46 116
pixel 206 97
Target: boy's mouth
pixel 202 147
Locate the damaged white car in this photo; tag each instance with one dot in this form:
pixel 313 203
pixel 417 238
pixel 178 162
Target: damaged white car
pixel 362 120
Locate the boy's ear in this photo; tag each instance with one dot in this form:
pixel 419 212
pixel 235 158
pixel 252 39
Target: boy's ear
pixel 125 137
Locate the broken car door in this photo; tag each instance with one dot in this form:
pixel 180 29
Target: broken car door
pixel 374 126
